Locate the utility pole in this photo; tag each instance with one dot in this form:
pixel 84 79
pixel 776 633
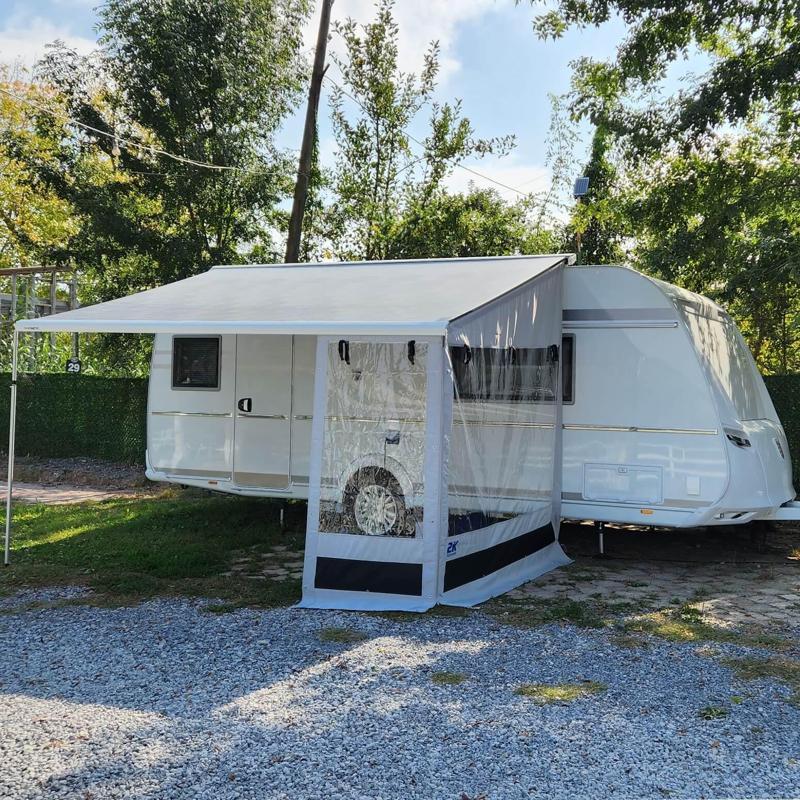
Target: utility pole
pixel 307 148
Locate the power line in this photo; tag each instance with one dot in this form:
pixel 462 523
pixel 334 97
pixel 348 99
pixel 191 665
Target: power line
pixel 130 144
pixel 222 167
pixel 422 144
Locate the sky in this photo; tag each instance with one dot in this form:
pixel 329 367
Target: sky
pixel 490 58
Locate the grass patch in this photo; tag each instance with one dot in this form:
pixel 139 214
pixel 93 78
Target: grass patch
pixel 712 712
pixel 131 549
pixel 783 670
pixel 582 614
pixel 628 641
pixel 559 692
pixel 341 635
pixel 686 624
pixel 448 678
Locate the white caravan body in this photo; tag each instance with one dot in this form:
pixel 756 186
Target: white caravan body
pixel 666 419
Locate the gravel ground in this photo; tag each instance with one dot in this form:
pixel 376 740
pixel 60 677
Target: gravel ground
pixel 164 700
pixel 78 471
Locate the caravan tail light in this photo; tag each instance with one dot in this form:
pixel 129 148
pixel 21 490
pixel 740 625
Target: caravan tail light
pixel 738 437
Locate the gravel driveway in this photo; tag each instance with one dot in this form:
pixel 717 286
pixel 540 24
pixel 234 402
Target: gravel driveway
pixel 165 700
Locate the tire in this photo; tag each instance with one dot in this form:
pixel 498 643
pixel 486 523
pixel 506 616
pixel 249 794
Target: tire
pixel 374 503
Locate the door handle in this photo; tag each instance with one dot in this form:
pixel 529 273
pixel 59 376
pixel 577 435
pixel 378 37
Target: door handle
pixel 246 404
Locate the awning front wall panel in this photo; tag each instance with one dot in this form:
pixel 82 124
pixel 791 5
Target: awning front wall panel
pixel 367 299
pixel 503 444
pixel 475 471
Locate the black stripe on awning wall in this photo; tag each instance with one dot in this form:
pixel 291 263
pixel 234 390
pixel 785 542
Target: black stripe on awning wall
pixel 354 575
pixel 470 568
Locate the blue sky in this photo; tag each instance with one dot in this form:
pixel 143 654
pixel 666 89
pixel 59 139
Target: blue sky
pixel 490 56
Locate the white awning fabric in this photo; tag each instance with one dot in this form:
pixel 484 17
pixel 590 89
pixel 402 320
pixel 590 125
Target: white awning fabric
pixel 375 298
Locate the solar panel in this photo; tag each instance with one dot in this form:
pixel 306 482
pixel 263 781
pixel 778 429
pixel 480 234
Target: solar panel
pixel 581 187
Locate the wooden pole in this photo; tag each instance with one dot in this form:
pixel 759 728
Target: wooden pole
pixel 307 148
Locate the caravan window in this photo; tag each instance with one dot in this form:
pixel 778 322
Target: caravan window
pixel 513 375
pixel 517 375
pixel 568 368
pixel 195 362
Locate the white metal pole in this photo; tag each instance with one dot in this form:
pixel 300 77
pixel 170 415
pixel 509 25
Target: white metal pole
pixel 12 424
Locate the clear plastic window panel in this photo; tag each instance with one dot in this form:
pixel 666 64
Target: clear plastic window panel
pixel 374 439
pixel 503 437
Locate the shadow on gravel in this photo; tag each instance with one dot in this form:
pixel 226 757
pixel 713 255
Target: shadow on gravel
pixel 256 704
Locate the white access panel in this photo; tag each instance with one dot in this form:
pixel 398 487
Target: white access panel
pixel 263 410
pixel 627 483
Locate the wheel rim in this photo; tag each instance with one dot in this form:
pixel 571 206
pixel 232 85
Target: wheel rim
pixel 375 510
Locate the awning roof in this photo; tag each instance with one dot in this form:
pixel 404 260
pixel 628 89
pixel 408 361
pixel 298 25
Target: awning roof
pixel 374 298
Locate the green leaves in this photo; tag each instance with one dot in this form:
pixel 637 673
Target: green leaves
pixel 754 52
pixel 384 182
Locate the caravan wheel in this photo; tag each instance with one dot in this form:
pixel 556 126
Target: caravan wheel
pixel 374 502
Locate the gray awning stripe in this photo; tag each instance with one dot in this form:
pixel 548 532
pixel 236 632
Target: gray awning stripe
pixel 617 314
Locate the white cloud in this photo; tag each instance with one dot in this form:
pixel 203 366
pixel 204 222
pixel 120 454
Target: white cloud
pixel 509 171
pixel 23 39
pixel 419 21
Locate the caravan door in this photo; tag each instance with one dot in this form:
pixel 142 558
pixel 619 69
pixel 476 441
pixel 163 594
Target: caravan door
pixel 263 411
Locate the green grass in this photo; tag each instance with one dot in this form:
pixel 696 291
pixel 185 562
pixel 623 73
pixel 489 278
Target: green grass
pixel 132 549
pixel 559 692
pixel 783 670
pixel 712 712
pixel 448 678
pixel 341 635
pixel 686 624
pixel 582 614
pixel 628 641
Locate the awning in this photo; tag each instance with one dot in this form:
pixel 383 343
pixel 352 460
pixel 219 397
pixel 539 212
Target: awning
pixel 373 298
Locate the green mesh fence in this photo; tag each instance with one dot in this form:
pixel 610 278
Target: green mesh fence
pixel 81 415
pixel 62 415
pixel 785 393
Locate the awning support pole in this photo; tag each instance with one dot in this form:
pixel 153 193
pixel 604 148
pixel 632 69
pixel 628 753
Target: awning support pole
pixel 12 425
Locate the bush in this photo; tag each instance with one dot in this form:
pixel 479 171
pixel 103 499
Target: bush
pixel 785 393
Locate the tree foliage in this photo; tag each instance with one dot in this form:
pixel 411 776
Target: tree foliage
pixel 753 49
pixel 36 221
pixel 725 221
pixel 596 218
pixel 383 181
pixel 476 223
pixel 210 82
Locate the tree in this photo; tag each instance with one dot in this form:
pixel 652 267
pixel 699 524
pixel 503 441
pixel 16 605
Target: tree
pixel 207 82
pixel 753 49
pixel 35 221
pixel 379 177
pixel 477 223
pixel 725 221
pixel 596 217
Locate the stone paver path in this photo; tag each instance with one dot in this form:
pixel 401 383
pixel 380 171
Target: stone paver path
pixel 727 594
pixel 61 494
pixel 279 563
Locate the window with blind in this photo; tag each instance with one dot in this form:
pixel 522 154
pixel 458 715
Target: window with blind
pixel 513 375
pixel 195 362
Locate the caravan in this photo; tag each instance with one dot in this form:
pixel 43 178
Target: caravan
pixel 666 420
